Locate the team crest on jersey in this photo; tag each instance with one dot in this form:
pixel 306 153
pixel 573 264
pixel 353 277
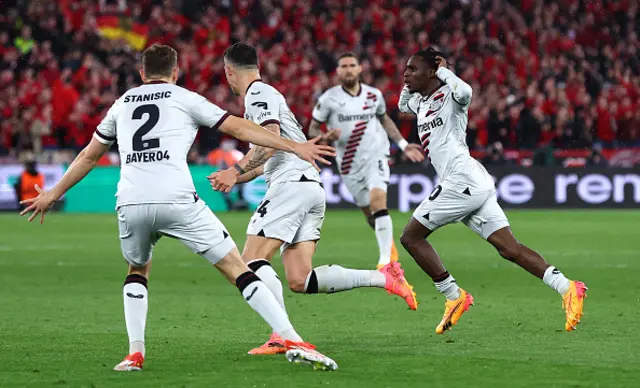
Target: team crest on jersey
pixel 437 103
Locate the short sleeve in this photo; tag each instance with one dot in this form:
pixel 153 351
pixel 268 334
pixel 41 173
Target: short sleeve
pixel 106 131
pixel 262 106
pixel 322 110
pixel 381 109
pixel 204 112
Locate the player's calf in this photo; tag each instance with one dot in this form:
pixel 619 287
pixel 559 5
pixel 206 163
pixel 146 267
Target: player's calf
pixel 573 292
pixel 135 297
pixel 510 249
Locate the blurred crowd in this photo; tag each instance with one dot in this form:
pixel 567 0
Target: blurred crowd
pixel 559 74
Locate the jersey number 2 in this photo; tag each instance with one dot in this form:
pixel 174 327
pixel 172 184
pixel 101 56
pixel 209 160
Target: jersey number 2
pixel 152 120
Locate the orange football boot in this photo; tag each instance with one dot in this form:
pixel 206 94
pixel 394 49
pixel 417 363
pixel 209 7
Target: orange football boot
pixel 453 310
pixel 131 363
pixel 398 285
pixel 275 345
pixel 572 303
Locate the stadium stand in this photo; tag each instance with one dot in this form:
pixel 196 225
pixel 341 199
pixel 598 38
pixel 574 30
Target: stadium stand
pixel 561 77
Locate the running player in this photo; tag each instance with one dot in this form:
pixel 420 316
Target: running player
pixel 291 214
pixel 357 120
pixel 155 125
pixel 466 192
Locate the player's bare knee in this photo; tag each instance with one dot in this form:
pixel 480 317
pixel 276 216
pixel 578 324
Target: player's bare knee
pixel 297 283
pixel 141 269
pixel 408 239
pixel 378 200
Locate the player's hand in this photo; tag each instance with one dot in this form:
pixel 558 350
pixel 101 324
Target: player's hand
pixel 38 205
pixel 331 135
pixel 223 180
pixel 441 62
pixel 312 152
pixel 414 153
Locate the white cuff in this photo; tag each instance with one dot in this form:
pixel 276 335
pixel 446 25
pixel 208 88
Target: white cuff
pixel 403 144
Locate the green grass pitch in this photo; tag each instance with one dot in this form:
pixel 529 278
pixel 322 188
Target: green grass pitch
pixel 61 315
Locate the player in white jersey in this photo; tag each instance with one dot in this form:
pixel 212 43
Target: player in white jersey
pixel 291 214
pixel 356 117
pixel 466 192
pixel 155 125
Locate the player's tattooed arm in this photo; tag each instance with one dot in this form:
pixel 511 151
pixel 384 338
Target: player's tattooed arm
pixel 251 175
pixel 247 169
pixel 259 155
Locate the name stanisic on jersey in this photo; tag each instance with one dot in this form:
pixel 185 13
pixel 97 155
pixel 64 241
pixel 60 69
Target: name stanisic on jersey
pixel 147 156
pixel 155 125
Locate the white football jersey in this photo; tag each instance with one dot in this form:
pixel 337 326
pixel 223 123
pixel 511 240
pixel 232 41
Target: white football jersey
pixel 264 105
pixel 442 128
pixel 155 125
pixel 362 137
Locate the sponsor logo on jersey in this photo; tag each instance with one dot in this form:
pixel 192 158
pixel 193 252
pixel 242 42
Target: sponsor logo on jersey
pixel 260 104
pixel 431 124
pixel 361 117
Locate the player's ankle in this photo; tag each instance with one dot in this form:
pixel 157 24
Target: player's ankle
pixel 446 285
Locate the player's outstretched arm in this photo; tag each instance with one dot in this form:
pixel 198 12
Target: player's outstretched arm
pixel 243 171
pixel 79 168
pixel 247 131
pixel 461 90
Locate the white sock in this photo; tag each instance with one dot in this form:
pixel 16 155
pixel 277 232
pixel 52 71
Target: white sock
pixel 556 280
pixel 384 235
pixel 449 288
pixel 260 298
pixel 334 278
pixel 269 277
pixel 135 296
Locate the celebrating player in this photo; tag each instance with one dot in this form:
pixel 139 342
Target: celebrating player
pixel 291 214
pixel 466 192
pixel 155 125
pixel 354 113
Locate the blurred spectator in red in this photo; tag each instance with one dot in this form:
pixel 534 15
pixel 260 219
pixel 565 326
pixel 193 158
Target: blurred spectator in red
pixel 563 73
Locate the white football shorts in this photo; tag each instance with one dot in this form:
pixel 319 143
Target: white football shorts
pixel 142 225
pixel 375 175
pixel 480 211
pixel 290 211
